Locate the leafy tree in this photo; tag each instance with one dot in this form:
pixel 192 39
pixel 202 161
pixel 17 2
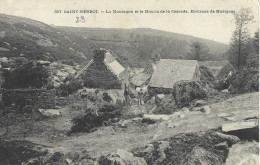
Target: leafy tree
pixel 239 44
pixel 199 51
pixel 253 57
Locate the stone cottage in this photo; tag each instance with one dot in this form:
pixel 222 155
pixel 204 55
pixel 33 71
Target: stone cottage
pixel 140 80
pixel 170 71
pixel 104 72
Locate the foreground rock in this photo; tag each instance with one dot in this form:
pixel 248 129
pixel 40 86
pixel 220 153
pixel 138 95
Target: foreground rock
pixel 186 149
pixel 243 130
pixel 121 157
pixel 238 126
pixel 50 112
pixel 231 139
pixel 201 156
pixel 246 153
pixel 18 152
pixel 205 109
pixel 199 103
pixel 157 117
pixel 185 92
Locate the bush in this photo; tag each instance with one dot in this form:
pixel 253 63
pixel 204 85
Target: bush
pixel 185 92
pixel 106 97
pixel 29 75
pixel 224 71
pixel 244 81
pixel 71 87
pixel 90 121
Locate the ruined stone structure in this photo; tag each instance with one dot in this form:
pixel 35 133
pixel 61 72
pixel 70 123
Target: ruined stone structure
pixel 21 98
pixel 104 72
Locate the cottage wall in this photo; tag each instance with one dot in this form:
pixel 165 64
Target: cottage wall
pixel 196 75
pixel 99 76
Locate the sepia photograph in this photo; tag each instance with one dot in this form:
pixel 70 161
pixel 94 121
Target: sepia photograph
pixel 129 82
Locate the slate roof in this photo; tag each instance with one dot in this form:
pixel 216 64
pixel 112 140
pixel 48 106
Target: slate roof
pixel 170 71
pixel 139 79
pixel 113 64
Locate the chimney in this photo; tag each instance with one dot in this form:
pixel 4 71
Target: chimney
pixel 99 54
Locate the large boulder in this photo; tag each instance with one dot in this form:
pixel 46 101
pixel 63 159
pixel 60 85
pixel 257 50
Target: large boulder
pixel 184 149
pixel 206 76
pixel 201 156
pixel 246 153
pixel 185 92
pixel 165 105
pixel 199 103
pixel 243 130
pixel 121 157
pixel 158 98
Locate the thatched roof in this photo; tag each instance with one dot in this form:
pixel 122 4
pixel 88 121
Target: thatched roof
pixel 139 79
pixel 169 71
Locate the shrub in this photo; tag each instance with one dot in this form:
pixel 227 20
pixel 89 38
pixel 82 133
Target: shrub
pixel 30 75
pixel 90 121
pixel 185 92
pixel 246 80
pixel 106 97
pixel 71 87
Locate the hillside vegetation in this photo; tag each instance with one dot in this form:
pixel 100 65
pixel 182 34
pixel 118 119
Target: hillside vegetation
pixel 138 45
pixel 33 40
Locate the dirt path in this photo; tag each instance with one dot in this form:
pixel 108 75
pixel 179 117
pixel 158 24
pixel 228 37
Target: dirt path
pixel 52 132
pixel 108 139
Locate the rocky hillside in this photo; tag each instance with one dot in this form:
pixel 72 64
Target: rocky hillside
pixel 33 40
pixel 137 45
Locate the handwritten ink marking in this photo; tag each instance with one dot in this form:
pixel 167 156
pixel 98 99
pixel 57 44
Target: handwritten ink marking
pixel 80 19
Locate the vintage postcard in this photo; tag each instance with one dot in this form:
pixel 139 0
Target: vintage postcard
pixel 129 82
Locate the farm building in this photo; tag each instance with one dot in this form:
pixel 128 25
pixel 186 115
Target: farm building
pixel 104 72
pixel 140 80
pixel 170 71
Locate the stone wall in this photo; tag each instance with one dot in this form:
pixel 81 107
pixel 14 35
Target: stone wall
pixel 99 76
pixel 21 98
pixel 154 90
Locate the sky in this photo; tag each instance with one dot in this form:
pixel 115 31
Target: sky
pixel 213 26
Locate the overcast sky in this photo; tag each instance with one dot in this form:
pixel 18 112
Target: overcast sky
pixel 218 27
